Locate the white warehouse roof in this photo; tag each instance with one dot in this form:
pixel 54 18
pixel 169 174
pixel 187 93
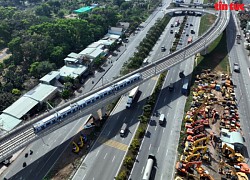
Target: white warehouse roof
pixel 72 71
pixel 20 107
pixel 50 76
pixel 41 92
pixel 8 122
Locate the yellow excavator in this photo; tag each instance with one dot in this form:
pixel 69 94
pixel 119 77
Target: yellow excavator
pixel 192 157
pixel 81 143
pixel 230 171
pixel 76 148
pixel 237 157
pixel 195 143
pixel 195 149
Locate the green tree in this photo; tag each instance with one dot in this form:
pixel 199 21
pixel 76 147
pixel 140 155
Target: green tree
pixel 16 91
pixel 39 69
pixel 65 94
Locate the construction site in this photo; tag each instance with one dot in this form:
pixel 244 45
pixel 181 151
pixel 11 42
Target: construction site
pixel 213 146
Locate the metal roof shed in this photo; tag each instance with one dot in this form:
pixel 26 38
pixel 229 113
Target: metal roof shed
pixel 8 122
pixel 50 77
pixel 41 92
pixel 21 107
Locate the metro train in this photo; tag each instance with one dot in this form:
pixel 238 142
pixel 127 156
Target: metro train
pixel 60 115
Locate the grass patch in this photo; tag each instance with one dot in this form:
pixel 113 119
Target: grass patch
pixel 206 21
pixel 216 59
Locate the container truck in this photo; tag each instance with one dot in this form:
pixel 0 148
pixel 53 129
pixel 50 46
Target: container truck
pixel 185 87
pixel 131 96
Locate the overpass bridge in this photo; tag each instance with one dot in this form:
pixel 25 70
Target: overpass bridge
pixel 24 134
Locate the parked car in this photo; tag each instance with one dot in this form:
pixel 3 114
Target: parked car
pixel 171 31
pixel 172 25
pixel 192 31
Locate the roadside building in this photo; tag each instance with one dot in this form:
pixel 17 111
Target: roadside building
pixel 26 106
pixel 116 31
pixel 50 78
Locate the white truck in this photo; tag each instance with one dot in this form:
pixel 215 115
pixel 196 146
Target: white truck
pixel 131 96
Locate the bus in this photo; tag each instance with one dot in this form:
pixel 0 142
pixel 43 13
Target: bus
pixel 190 40
pixel 149 167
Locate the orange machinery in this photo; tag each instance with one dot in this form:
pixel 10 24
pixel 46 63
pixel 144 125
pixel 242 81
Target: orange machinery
pixel 184 167
pixel 204 122
pixel 196 137
pixel 195 130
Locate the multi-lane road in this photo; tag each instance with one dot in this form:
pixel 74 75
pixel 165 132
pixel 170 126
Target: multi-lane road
pixel 238 54
pixel 163 141
pixel 48 149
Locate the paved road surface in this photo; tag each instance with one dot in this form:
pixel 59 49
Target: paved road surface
pixel 238 54
pixel 46 155
pixel 163 141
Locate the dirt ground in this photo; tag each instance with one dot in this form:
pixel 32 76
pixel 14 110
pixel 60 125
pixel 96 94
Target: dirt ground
pixel 70 161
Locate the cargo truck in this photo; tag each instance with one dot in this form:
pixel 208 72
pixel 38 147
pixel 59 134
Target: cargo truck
pixel 185 87
pixel 131 96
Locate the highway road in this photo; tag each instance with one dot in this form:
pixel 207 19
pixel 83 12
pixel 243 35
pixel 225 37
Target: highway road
pixel 103 153
pixel 45 157
pixel 107 153
pixel 238 54
pixel 162 141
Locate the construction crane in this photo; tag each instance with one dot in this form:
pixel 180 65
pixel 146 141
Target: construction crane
pixel 76 148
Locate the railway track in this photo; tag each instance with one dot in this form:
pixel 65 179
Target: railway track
pixel 16 141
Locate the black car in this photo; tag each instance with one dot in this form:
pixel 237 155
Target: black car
pixel 192 31
pixel 191 24
pixel 187 35
pixel 171 31
pixel 172 25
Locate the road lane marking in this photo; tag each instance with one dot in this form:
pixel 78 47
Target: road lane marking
pixel 161 176
pixel 167 114
pixel 105 155
pixel 112 143
pixel 171 132
pixel 155 128
pixel 84 176
pixel 163 130
pixel 109 133
pixel 142 169
pixel 166 152
pixel 158 149
pixel 97 153
pixel 113 159
pixel 149 146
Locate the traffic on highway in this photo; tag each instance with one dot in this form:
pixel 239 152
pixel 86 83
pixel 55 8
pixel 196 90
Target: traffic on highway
pixel 182 115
